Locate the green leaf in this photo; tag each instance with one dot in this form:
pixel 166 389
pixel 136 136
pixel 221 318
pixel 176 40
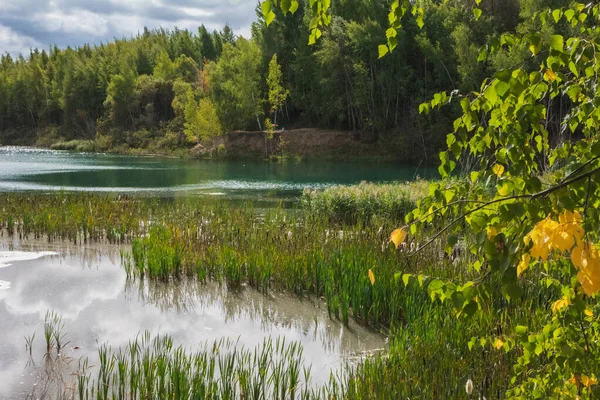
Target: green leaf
pixel 501 88
pixel 420 17
pixel 268 14
pixel 470 308
pixel 383 50
pixel 569 14
pixel 482 54
pixel 573 68
pixel 477 13
pixel 521 330
pixel 557 15
pixel 557 42
pixel 490 94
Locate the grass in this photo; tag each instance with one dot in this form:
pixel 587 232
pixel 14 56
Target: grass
pixel 156 368
pixel 352 204
pixel 305 253
pixel 82 146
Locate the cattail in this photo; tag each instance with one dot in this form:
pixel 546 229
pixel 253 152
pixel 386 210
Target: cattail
pixel 469 387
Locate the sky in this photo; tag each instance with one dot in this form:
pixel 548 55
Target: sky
pixel 40 23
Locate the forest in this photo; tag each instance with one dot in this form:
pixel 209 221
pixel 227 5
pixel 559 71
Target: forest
pixel 171 89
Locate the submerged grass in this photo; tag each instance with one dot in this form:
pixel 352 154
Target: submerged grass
pixel 178 241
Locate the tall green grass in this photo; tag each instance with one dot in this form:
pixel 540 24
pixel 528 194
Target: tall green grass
pixel 352 204
pixel 154 368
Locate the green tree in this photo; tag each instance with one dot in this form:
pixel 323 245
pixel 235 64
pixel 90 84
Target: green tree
pixel 277 94
pixel 119 101
pixel 235 85
pixel 165 68
pixel 207 46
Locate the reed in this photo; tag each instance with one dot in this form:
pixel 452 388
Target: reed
pixel 152 367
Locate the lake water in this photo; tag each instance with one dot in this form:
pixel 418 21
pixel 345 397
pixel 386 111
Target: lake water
pixel 87 286
pixel 30 169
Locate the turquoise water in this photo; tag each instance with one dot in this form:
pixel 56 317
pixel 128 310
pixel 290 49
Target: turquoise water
pixel 30 169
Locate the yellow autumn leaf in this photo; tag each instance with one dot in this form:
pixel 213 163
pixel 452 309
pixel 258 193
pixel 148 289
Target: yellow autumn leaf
pixel 560 304
pixel 588 381
pixel 550 75
pixel 588 312
pixel 575 380
pixel 590 279
pixel 398 236
pixel 583 254
pixel 372 277
pixel 541 235
pixel 498 169
pixel 524 264
pixel 498 343
pixel 491 233
pixel 561 241
pixel 503 190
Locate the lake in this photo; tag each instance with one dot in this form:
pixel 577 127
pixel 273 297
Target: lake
pixel 32 169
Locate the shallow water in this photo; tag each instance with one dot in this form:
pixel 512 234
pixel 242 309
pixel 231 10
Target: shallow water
pixel 30 169
pixel 88 288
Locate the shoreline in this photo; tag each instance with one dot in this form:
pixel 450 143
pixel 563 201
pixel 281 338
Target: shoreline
pixel 294 145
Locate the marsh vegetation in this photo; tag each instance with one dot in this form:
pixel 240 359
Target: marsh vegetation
pixel 192 243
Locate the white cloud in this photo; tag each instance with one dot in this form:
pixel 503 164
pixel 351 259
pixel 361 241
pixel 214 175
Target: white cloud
pixel 40 23
pixel 75 22
pixel 13 43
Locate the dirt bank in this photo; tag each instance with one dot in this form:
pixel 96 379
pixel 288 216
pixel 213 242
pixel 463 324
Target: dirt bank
pixel 306 143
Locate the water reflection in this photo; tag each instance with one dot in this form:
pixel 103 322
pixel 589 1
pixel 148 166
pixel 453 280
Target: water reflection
pixel 87 286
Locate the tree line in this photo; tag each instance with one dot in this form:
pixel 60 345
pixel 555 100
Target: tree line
pixel 171 89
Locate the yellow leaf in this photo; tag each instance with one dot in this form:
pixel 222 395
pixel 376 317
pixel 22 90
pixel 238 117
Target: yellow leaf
pixel 372 277
pixel 588 312
pixel 561 241
pixel 524 264
pixel 540 236
pixel 503 190
pixel 491 233
pixel 398 236
pixel 570 223
pixel 588 381
pixel 590 279
pixel 560 304
pixel 585 257
pixel 498 343
pixel 575 380
pixel 584 254
pixel 498 169
pixel 549 75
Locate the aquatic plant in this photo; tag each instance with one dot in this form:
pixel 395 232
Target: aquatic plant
pixel 53 332
pixel 153 367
